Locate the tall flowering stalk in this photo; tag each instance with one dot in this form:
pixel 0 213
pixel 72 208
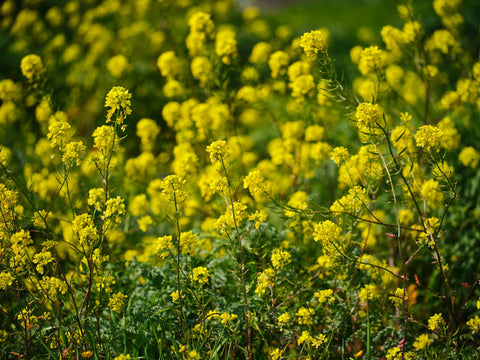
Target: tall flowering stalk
pixel 219 153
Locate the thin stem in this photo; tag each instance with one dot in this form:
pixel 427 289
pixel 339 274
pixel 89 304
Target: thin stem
pixel 242 263
pixel 178 265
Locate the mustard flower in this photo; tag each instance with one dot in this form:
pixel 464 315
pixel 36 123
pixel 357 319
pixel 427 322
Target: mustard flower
pixel 195 43
pixel 173 88
pixel 147 131
pixel 339 154
pixel 83 226
pixel 298 68
pixel 280 258
pixel 469 157
pixel 324 296
pixel 200 274
pixel 398 297
pixel 122 357
pixel 9 90
pixel 139 205
pixel 298 201
pixel 96 198
pixel 276 354
pixel 314 42
pixel 402 139
pixel 169 64
pixel 42 259
pixel 368 292
pixel 314 133
pixel 175 295
pixel 260 53
pixel 442 40
pixel 254 182
pixel 218 150
pixel 319 340
pixel 173 187
pixel 432 192
pixel 144 222
pixel 201 22
pixel 303 86
pixel 87 354
pixel 283 320
pixel 32 67
pixel 164 246
pixel 193 355
pixel 114 207
pixel 218 184
pixel 59 131
pixel 6 279
pixel 474 324
pixel 116 302
pixel 305 315
pixel 226 45
pixel 411 31
pixel 370 60
pixel 367 115
pixel 422 342
pixel 305 338
pixel 258 217
pixel 188 242
pixel 118 100
pixel 72 152
pixel 328 233
pixel 265 279
pixel 103 139
pixel 436 322
pixel 227 318
pixel 202 69
pixel 117 65
pixel 278 62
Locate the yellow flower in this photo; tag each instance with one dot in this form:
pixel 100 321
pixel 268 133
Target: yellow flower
pixel 370 60
pixel 339 154
pixel 114 207
pixel 421 342
pixel 314 42
pixel 276 354
pixel 122 357
pixel 117 65
pixel 436 322
pixel 116 302
pixel 324 296
pixel 226 45
pixel 6 279
pixel 218 150
pixel 280 258
pixel 200 274
pixel 169 64
pixel 328 233
pixel 474 324
pixel 200 22
pixel 227 318
pixel 469 157
pixel 367 115
pixel 304 315
pixel 118 100
pixel 32 67
pixel 428 137
pixel 260 53
pixel 283 320
pixel 278 62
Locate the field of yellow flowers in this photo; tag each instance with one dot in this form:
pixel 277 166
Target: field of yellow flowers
pixel 195 180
